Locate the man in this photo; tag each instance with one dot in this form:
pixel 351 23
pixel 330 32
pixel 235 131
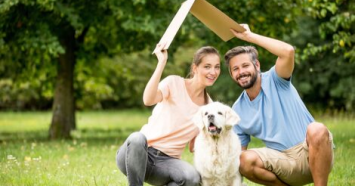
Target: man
pixel 298 149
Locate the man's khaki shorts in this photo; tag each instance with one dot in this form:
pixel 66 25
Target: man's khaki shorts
pixel 291 166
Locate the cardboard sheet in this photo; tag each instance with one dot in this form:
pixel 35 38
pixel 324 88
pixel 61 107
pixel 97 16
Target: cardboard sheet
pixel 176 23
pixel 209 15
pixel 215 19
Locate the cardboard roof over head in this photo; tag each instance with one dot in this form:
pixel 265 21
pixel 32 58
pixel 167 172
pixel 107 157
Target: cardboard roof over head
pixel 209 15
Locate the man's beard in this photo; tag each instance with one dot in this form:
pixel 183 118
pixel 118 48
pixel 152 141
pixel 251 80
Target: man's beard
pixel 252 81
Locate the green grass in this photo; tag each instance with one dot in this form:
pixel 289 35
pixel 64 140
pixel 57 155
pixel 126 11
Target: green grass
pixel 27 157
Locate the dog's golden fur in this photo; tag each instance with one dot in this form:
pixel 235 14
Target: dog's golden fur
pixel 217 147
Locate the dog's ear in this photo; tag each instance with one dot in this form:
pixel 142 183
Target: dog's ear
pixel 232 118
pixel 198 119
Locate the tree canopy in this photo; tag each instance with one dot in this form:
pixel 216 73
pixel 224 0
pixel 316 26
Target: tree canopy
pixel 69 55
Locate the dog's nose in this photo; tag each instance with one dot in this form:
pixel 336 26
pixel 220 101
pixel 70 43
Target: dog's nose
pixel 210 117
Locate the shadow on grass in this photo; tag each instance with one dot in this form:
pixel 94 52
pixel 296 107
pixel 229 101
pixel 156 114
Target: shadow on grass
pixel 90 136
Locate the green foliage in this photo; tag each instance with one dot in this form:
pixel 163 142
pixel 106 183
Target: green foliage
pixel 326 62
pixel 108 31
pixel 32 32
pixel 104 26
pixel 118 82
pixel 336 27
pixel 26 85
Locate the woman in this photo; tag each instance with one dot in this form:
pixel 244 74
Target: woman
pixel 153 154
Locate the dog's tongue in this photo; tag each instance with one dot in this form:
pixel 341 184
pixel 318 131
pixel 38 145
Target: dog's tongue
pixel 212 127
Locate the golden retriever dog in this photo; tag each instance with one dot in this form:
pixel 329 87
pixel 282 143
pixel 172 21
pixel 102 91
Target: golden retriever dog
pixel 217 147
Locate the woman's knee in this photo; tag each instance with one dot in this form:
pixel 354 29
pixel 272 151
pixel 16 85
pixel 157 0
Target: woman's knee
pixel 133 142
pixel 187 176
pixel 195 178
pixel 192 178
pixel 136 139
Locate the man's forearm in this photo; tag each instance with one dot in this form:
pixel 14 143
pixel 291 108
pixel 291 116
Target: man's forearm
pixel 276 47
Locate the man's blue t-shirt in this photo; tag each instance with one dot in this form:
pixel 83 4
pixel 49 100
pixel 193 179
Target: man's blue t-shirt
pixel 277 115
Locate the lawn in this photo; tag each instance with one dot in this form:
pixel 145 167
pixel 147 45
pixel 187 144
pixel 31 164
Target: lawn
pixel 27 157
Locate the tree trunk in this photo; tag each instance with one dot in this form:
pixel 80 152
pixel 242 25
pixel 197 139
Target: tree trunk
pixel 63 119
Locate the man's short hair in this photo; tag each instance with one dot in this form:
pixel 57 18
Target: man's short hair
pixel 253 53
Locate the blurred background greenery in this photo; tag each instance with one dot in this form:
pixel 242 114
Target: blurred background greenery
pixel 66 56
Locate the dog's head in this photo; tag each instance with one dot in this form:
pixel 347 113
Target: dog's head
pixel 215 118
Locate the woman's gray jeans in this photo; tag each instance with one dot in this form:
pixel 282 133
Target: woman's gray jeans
pixel 142 164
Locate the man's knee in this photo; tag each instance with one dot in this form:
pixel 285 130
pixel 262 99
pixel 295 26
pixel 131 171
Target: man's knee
pixel 248 160
pixel 317 133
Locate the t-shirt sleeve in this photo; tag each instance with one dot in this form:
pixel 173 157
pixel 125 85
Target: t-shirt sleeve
pixel 164 86
pixel 279 81
pixel 243 137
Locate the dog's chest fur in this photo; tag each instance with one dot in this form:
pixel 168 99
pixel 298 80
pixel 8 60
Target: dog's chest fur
pixel 218 165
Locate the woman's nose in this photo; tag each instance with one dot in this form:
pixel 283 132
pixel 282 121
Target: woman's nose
pixel 214 71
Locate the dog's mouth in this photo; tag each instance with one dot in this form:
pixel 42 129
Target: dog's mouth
pixel 213 129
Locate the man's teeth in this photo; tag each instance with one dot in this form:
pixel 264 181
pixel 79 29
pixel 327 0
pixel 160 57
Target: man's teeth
pixel 243 77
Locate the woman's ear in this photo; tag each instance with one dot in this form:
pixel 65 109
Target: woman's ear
pixel 194 69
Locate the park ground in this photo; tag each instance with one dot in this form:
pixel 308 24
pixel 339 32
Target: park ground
pixel 27 157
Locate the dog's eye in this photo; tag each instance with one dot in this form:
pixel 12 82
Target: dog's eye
pixel 206 113
pixel 220 113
